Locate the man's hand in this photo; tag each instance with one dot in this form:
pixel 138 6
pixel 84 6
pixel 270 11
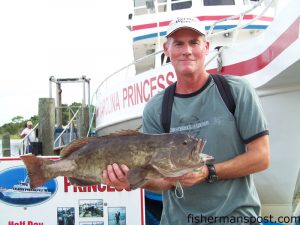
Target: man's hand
pixel 115 176
pixel 191 178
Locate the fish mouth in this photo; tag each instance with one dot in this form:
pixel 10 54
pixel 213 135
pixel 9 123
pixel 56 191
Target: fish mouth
pixel 199 146
pixel 206 158
pixel 197 152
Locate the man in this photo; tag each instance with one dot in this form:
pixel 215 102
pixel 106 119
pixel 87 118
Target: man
pixel 117 217
pixel 31 137
pixel 224 192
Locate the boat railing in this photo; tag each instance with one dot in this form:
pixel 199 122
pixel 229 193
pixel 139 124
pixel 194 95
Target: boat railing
pixel 92 113
pixel 105 81
pixel 64 135
pixel 117 75
pixel 240 17
pixel 69 130
pixel 162 6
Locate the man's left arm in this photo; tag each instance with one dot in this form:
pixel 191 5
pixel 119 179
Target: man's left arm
pixel 252 126
pixel 255 159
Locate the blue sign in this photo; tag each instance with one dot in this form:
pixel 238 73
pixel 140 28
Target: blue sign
pixel 15 189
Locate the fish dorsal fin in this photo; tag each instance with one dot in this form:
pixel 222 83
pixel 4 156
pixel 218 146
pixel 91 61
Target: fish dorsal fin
pixel 125 133
pixel 76 145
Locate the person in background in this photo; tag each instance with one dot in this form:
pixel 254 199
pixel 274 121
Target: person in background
pixel 238 141
pixel 30 138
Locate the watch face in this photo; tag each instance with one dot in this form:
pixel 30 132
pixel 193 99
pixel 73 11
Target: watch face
pixel 213 178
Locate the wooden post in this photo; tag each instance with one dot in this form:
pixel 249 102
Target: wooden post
pixel 58 105
pixel 6 145
pixel 84 121
pixel 47 124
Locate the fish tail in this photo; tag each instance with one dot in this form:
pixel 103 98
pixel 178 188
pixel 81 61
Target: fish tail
pixel 35 171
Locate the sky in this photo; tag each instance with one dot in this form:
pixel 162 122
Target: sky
pixel 60 38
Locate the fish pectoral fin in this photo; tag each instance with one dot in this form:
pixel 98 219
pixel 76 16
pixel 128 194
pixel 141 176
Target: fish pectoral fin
pixel 82 182
pixel 136 177
pixel 163 171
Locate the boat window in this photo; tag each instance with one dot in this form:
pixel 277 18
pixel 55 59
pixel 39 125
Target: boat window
pixel 139 3
pixel 162 5
pixel 218 2
pixel 181 4
pixel 142 7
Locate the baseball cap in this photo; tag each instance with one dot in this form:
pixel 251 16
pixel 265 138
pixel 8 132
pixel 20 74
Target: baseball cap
pixel 186 22
pixel 29 123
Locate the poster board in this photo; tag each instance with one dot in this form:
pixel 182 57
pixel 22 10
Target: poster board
pixel 60 203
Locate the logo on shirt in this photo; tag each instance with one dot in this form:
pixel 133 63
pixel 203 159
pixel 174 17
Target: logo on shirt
pixel 193 126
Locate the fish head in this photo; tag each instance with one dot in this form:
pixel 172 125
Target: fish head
pixel 188 152
pixel 178 154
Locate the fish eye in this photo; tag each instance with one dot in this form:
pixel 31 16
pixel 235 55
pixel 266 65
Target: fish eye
pixel 185 142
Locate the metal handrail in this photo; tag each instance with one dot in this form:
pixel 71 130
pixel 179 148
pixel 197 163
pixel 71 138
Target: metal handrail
pixel 215 55
pixel 22 145
pixel 238 28
pixel 66 127
pixel 234 17
pixel 91 121
pixel 240 15
pixel 126 67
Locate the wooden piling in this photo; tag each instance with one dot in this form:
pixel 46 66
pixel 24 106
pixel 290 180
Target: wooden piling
pixel 6 145
pixel 84 121
pixel 47 124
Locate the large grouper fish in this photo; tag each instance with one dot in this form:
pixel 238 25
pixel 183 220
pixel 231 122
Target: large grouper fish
pixel 148 156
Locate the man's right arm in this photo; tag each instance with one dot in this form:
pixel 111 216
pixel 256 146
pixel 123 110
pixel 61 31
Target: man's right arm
pixel 22 134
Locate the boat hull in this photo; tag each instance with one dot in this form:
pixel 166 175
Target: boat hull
pixel 10 193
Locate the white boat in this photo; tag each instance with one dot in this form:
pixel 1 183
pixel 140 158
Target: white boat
pixel 261 43
pixel 22 190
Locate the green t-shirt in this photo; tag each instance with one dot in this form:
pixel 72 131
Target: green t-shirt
pixel 204 114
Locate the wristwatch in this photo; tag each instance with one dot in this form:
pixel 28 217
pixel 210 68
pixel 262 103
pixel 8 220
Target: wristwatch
pixel 212 175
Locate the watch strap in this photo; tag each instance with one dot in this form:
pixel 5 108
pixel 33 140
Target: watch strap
pixel 212 175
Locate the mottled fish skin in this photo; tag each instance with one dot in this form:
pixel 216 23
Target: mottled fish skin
pixel 148 156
